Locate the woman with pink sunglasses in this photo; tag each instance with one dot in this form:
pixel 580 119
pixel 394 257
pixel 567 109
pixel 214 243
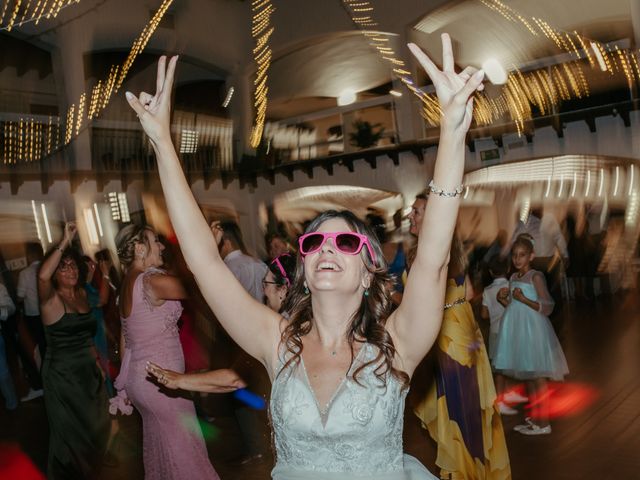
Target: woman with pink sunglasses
pixel 341 362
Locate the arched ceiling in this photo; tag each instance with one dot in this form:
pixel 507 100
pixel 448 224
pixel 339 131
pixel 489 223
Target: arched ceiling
pixel 317 51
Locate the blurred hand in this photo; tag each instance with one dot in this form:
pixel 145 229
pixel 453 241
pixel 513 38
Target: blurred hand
pixel 217 231
pixel 503 293
pixel 454 90
pixel 70 231
pixel 105 266
pixel 167 378
pixel 518 295
pixel 154 111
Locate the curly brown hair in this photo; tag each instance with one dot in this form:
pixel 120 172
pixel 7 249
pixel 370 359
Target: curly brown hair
pixel 126 240
pixel 368 323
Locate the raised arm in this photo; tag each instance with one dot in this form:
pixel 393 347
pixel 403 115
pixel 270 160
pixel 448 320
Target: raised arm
pixel 414 326
pixel 252 325
pixel 47 269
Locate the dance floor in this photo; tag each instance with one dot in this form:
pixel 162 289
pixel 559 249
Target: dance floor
pixel 596 434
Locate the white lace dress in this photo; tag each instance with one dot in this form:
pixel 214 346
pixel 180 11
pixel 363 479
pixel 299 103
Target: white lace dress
pixel 357 435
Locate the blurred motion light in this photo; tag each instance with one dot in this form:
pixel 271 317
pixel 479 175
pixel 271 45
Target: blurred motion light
pixel 601 187
pixel 495 72
pixel 546 194
pixel 45 219
pixel 119 207
pixel 95 209
pixel 91 226
pixel 124 207
pixel 115 208
pixel 188 141
pixel 524 210
pixel 35 218
pixel 599 57
pixel 347 97
pixel 227 99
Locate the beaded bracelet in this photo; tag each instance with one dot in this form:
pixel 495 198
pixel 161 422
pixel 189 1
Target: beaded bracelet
pixel 455 303
pixel 443 193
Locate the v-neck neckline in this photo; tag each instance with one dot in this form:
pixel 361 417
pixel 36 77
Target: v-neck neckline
pixel 324 413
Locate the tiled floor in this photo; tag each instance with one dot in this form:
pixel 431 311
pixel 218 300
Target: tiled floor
pixel 596 437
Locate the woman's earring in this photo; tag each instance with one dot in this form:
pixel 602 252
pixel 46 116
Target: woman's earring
pixel 366 292
pixel 306 289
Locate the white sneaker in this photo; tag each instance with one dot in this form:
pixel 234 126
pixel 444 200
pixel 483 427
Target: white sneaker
pixel 32 394
pixel 527 423
pixel 514 397
pixel 536 430
pixel 505 409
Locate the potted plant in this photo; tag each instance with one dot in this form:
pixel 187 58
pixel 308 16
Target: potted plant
pixel 365 134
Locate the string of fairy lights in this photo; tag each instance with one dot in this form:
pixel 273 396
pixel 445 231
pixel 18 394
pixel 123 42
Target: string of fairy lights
pixel 361 13
pixel 19 12
pixel 261 31
pixel 543 88
pixel 29 140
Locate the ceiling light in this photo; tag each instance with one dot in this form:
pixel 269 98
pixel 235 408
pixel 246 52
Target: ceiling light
pixel 395 93
pixel 227 99
pixel 347 97
pixel 495 72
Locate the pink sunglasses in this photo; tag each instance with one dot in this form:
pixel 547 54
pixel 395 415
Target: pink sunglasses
pixel 350 243
pixel 281 269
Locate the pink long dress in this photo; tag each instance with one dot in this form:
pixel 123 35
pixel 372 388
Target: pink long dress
pixel 173 447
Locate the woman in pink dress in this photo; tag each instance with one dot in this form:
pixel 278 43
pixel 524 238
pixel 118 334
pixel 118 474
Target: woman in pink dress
pixel 173 446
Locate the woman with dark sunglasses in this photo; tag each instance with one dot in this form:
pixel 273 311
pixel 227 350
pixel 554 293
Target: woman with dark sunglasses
pixel 341 362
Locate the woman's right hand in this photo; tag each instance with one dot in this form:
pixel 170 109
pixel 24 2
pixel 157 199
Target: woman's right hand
pixel 70 231
pixel 154 111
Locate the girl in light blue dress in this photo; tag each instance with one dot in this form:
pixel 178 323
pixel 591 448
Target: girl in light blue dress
pixel 527 347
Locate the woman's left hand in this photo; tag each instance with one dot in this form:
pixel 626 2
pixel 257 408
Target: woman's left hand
pixel 166 378
pixel 454 90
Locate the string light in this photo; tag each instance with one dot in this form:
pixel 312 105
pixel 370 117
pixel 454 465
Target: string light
pixel 544 88
pixel 25 140
pixel 31 12
pixel 261 33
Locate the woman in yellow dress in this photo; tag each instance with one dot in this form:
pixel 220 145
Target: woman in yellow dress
pixel 459 410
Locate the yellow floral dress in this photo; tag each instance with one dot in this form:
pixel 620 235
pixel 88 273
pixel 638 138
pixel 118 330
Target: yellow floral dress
pixel 459 410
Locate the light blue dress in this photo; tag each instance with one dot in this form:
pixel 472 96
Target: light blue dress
pixel 358 434
pixel 527 346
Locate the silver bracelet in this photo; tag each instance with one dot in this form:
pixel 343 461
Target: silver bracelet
pixel 455 303
pixel 443 193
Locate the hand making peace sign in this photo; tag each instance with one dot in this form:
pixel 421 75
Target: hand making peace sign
pixel 154 111
pixel 454 90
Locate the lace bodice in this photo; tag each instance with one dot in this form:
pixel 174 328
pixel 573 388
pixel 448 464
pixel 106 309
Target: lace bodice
pixel 359 431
